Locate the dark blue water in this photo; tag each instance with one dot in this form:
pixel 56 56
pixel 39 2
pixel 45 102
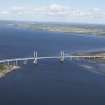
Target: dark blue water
pixel 75 82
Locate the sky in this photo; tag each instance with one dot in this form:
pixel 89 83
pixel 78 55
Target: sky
pixel 75 11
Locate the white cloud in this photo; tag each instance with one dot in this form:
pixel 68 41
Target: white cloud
pixel 55 11
pixel 56 8
pixel 4 12
pixel 17 8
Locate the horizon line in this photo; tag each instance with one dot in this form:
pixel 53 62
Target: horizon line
pixel 54 22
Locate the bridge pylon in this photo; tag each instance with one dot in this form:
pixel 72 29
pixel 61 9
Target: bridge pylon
pixel 35 58
pixel 62 56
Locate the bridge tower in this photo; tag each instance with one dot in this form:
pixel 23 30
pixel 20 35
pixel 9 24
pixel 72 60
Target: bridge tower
pixel 62 56
pixel 35 58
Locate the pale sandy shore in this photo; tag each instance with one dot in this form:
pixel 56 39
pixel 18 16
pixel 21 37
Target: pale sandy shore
pixel 8 70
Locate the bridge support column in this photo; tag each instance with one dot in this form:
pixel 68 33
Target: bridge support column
pixel 16 62
pixel 89 57
pixel 94 57
pixel 8 63
pixel 25 62
pixel 35 58
pixel 71 58
pixel 62 56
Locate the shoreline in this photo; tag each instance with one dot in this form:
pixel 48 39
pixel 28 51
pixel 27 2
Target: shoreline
pixel 93 53
pixel 8 70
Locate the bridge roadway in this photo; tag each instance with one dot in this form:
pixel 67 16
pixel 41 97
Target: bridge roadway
pixel 50 57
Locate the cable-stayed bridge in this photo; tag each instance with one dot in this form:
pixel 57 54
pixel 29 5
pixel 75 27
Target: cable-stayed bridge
pixel 60 57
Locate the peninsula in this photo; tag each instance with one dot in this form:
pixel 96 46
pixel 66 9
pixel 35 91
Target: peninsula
pixel 5 69
pixel 90 29
pixel 82 29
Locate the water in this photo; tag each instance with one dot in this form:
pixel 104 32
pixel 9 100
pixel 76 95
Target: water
pixel 75 82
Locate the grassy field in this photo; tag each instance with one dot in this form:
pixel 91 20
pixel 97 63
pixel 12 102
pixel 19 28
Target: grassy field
pixel 2 67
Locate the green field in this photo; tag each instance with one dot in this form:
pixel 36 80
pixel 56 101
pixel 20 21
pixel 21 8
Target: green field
pixel 2 67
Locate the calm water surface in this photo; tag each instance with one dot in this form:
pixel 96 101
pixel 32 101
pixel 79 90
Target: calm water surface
pixel 75 82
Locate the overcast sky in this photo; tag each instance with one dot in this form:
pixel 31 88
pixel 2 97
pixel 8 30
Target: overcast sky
pixel 85 11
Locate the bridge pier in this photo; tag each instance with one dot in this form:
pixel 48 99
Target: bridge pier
pixel 93 57
pixel 8 63
pixel 35 58
pixel 62 56
pixel 25 62
pixel 71 58
pixel 16 62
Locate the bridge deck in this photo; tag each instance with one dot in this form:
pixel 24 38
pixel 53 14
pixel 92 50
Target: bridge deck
pixel 50 57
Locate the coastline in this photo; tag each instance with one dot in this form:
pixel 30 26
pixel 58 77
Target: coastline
pixel 93 53
pixel 8 70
